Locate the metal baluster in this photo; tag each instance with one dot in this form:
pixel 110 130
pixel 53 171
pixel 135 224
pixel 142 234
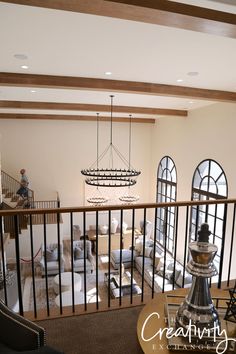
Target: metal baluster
pixel 165 248
pixel 97 295
pixel 175 244
pixel 132 255
pixel 185 243
pixel 32 264
pixel 72 261
pixel 3 262
pixel 18 270
pixel 154 253
pixel 45 261
pixel 231 245
pixel 213 234
pixel 143 260
pixel 109 257
pixel 196 225
pixel 121 247
pixel 59 259
pixel 223 246
pixel 85 250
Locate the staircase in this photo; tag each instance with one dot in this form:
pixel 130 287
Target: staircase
pixel 10 200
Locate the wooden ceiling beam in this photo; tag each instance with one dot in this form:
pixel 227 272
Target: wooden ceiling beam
pixel 161 12
pixel 84 83
pixel 91 107
pixel 73 117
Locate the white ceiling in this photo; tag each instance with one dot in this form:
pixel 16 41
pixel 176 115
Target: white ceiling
pixel 66 43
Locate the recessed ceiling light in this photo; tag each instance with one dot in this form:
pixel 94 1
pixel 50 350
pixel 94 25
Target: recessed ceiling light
pixel 21 56
pixel 190 102
pixel 193 73
pixel 33 91
pixel 179 80
pixel 24 67
pixel 108 73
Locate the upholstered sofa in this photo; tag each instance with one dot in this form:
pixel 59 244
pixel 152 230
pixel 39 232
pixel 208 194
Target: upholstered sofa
pixel 51 257
pixel 78 256
pixel 19 335
pixel 170 276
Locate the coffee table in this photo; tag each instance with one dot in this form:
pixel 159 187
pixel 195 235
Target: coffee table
pixel 66 282
pixel 125 284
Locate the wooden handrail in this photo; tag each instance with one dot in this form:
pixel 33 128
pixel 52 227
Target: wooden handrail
pixel 115 207
pixel 10 177
pixel 46 201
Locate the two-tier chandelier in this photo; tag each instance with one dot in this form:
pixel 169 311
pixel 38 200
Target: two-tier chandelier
pixel 111 176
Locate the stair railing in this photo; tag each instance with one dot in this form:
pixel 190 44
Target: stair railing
pixel 10 186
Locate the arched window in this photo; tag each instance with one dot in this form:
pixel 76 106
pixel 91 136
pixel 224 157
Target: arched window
pixel 166 192
pixel 209 183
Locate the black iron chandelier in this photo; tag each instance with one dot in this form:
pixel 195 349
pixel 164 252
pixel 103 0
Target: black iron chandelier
pixel 111 176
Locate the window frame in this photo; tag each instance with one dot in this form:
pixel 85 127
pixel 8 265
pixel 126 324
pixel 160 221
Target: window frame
pixel 166 191
pixel 205 210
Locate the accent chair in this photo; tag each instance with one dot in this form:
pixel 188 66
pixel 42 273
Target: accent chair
pixel 51 257
pixel 78 256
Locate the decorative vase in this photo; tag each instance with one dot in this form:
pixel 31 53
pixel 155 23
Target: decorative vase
pixel 124 227
pixel 103 229
pixel 114 224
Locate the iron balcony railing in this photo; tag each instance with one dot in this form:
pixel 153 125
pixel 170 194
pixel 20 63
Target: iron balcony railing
pixel 23 256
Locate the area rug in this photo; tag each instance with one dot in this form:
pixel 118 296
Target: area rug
pixel 40 289
pixel 40 294
pixel 109 332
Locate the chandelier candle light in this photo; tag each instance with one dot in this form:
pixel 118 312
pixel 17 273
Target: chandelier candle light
pixel 110 176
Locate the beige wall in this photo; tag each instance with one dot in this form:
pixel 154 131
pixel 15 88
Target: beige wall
pixel 54 153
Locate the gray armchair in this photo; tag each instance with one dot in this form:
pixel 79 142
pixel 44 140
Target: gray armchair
pixel 51 257
pixel 78 256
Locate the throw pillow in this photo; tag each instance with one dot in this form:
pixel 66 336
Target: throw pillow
pixel 51 254
pixel 160 264
pixel 179 278
pixel 168 273
pixel 78 253
pixel 148 251
pixel 157 259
